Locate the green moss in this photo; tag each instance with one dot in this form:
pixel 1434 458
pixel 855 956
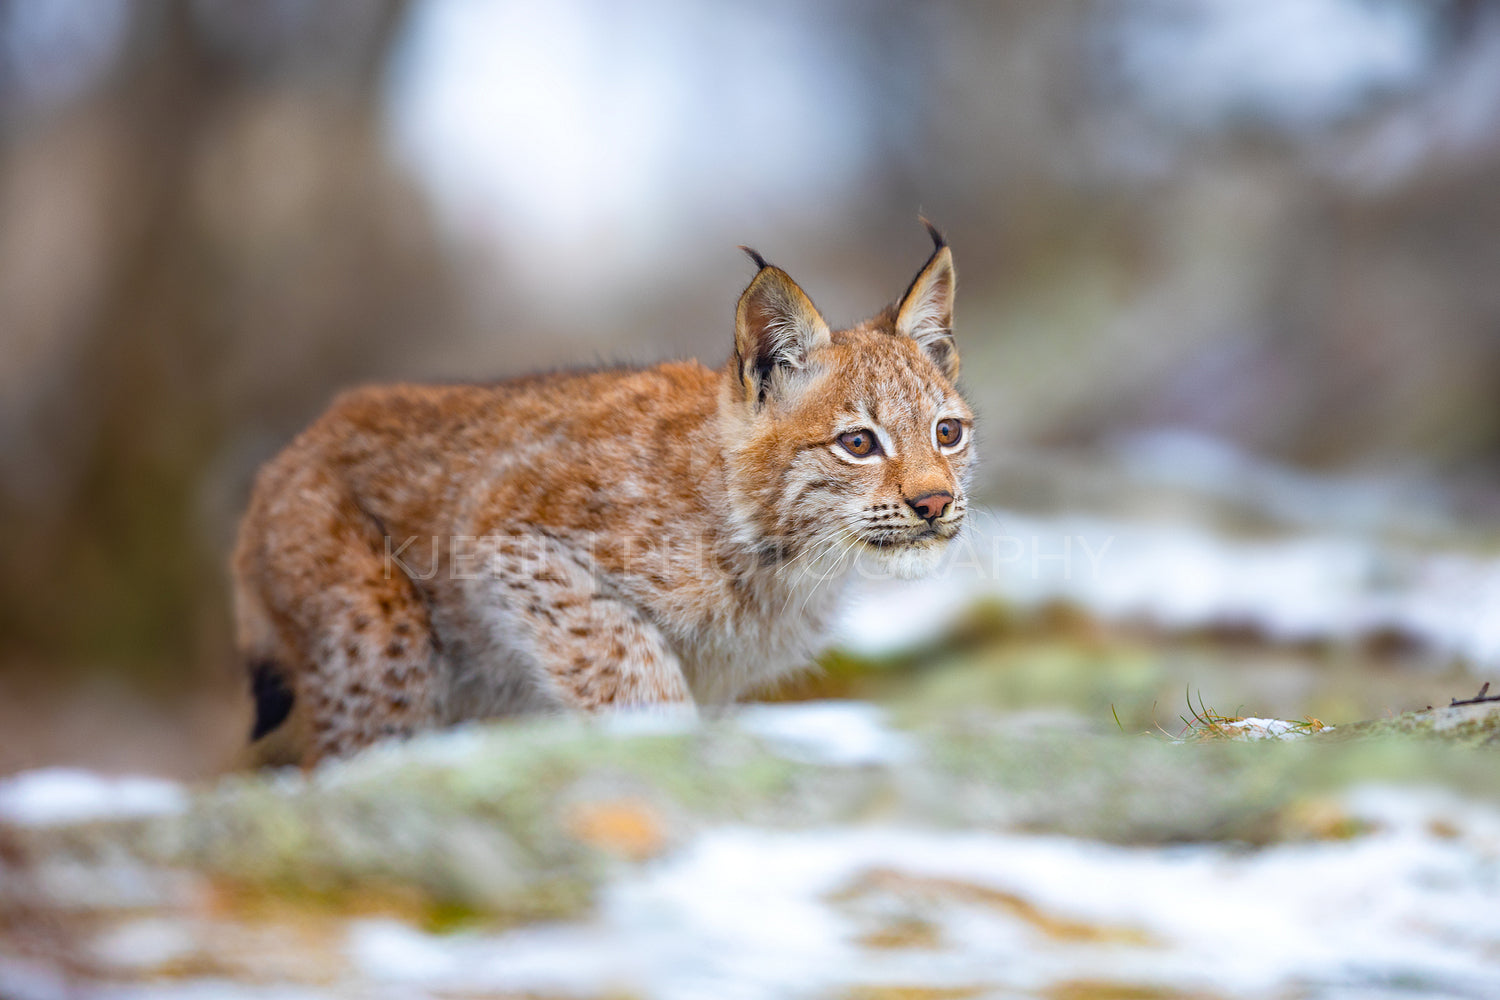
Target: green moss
pixel 1467 725
pixel 485 829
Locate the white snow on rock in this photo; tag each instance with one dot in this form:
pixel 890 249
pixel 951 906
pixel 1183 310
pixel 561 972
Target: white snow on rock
pixel 57 795
pixel 840 733
pixel 753 914
pixel 1269 729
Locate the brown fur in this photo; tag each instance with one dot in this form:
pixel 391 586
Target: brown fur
pixel 426 554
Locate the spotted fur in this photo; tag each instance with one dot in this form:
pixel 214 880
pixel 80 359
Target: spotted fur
pixel 674 535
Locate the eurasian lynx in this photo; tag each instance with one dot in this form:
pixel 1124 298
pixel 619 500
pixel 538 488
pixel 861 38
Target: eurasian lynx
pixel 676 534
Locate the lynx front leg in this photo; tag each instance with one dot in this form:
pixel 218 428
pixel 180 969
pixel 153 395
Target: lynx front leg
pixel 588 649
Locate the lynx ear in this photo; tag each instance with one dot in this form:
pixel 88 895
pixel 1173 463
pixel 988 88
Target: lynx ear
pixel 926 311
pixel 775 326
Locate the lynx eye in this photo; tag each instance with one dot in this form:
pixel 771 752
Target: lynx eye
pixel 860 443
pixel 949 433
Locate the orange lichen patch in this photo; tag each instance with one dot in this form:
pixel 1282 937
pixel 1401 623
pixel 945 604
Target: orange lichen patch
pixel 1443 829
pixel 229 898
pixel 1099 989
pixel 905 932
pixel 628 828
pixel 926 888
pixel 323 910
pixel 917 992
pixel 1321 819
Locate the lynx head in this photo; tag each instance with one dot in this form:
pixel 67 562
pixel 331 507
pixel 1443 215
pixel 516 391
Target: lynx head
pixel 855 442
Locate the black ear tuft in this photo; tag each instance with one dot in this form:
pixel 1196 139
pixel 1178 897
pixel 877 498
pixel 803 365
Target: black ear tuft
pixel 938 242
pixel 760 261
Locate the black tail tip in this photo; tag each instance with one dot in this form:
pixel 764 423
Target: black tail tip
pixel 273 698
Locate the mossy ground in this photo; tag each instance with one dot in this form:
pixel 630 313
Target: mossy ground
pixel 1008 730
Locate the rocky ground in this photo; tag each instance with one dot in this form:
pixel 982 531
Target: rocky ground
pixel 813 850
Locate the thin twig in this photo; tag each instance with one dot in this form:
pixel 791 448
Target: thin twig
pixel 1482 697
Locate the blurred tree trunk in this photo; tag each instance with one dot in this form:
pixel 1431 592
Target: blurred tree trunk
pixel 114 565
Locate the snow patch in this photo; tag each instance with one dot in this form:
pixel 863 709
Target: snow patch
pixel 1270 729
pixel 840 733
pixel 1179 576
pixel 754 914
pixel 53 796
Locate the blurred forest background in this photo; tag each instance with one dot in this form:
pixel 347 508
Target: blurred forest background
pixel 1182 227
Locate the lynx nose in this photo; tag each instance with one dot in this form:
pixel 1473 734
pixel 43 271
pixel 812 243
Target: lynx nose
pixel 932 506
